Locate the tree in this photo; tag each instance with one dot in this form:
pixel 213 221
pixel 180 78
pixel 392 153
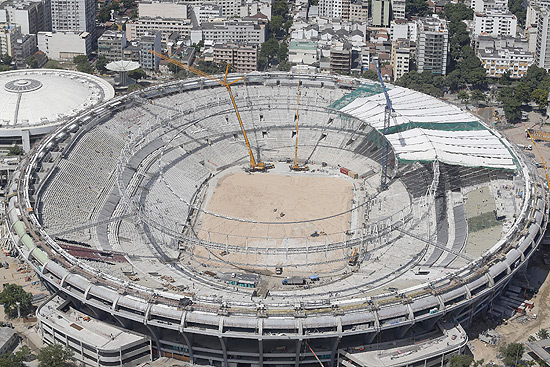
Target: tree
pixel 531 339
pixel 15 150
pixel 137 74
pixel 282 53
pixel 540 97
pixel 512 353
pixel 32 62
pixel 6 59
pixel 54 356
pixel 516 7
pixel 100 63
pixel 269 50
pixel 85 68
pixel 11 295
pixel 417 8
pixel 460 360
pixel 80 59
pixel 522 92
pixel 512 109
pixel 370 74
pixel 463 96
pixel 477 96
pixel 505 79
pixel 16 359
pixel 275 24
pixel 279 8
pixel 543 333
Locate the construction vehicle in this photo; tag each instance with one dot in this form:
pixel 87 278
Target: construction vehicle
pixel 543 161
pixel 314 234
pixel 293 281
pixel 255 166
pixel 352 261
pixel 296 166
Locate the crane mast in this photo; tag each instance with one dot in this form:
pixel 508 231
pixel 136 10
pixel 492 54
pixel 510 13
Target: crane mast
pixel 296 166
pixel 543 161
pixel 254 165
pixel 387 116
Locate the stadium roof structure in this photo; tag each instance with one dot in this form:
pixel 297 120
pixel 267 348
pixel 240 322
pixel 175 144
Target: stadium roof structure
pixel 122 65
pixel 46 97
pixel 424 128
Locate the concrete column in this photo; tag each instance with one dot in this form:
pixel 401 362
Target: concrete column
pixel 26 138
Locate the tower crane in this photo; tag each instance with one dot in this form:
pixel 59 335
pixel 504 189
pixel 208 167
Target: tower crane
pixel 296 166
pixel 543 161
pixel 387 115
pixel 255 165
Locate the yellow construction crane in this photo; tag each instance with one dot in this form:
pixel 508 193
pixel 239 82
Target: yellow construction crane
pixel 254 165
pixel 296 166
pixel 543 161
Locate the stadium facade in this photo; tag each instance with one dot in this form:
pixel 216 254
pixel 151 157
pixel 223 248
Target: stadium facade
pixel 104 210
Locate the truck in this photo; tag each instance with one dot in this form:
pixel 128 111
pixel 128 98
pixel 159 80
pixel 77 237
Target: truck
pixel 293 281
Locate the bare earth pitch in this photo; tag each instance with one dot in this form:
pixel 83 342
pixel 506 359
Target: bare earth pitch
pixel 255 197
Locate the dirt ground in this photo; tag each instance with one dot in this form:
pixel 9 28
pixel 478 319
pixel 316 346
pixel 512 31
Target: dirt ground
pixel 26 328
pixel 538 274
pixel 264 198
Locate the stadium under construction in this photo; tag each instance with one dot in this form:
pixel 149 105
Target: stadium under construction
pixel 142 215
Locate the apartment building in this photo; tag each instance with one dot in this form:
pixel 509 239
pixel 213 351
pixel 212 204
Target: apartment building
pixel 495 23
pixel 243 57
pixel 513 60
pixel 432 46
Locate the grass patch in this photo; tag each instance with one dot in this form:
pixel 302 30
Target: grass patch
pixel 482 221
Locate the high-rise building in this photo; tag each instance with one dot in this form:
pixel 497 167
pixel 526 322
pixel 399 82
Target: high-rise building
pixel 359 11
pixel 338 9
pixel 398 9
pixel 147 43
pixel 8 35
pixel 542 51
pixel 400 57
pixel 111 44
pixel 433 45
pixel 32 15
pixel 512 60
pixel 340 58
pixel 162 9
pixel 381 13
pixel 495 23
pixel 25 46
pixel 74 16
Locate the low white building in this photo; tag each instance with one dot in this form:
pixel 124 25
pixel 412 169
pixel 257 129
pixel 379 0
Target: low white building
pixel 495 23
pixel 162 9
pixel 167 26
pixel 64 45
pixel 303 52
pixel 205 13
pixel 513 60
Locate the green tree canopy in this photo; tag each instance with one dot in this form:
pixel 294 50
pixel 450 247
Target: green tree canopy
pixel 370 74
pixel 463 96
pixel 100 63
pixel 540 97
pixel 543 333
pixel 32 61
pixel 15 150
pixel 516 7
pixel 54 356
pixel 460 360
pixel 477 96
pixel 80 59
pixel 6 59
pixel 137 74
pixel 417 8
pixel 512 353
pixel 12 294
pixel 275 24
pixel 279 8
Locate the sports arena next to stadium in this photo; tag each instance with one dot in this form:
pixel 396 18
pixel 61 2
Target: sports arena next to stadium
pixel 154 239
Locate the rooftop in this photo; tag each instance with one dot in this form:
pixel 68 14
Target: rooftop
pixel 44 97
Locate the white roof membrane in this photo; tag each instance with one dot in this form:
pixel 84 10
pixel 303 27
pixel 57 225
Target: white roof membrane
pixel 458 145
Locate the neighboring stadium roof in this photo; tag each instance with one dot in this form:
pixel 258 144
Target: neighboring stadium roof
pixel 37 97
pixel 424 128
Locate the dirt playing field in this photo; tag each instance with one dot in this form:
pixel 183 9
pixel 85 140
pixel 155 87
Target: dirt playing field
pixel 277 198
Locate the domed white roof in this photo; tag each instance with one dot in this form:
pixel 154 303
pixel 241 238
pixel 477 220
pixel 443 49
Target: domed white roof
pixel 37 97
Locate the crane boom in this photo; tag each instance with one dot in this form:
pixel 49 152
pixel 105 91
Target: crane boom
pixel 387 115
pixel 254 165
